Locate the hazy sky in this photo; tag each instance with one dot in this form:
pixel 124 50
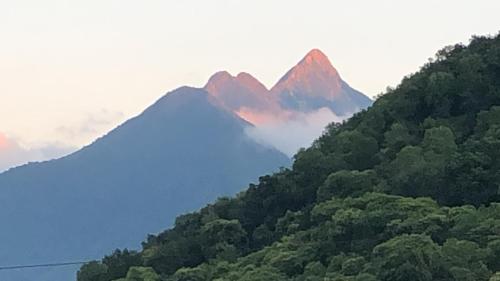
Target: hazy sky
pixel 71 70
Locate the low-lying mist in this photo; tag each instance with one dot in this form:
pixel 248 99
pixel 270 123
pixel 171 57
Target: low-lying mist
pixel 297 132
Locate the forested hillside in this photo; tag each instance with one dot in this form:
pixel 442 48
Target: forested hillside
pixel 406 190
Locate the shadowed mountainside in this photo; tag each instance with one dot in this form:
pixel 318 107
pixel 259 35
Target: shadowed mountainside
pixel 180 153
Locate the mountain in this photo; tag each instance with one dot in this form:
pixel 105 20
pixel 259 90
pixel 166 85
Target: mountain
pixel 180 153
pixel 405 190
pixel 187 149
pixel 236 92
pixel 309 86
pixel 244 95
pixel 314 83
pixel 296 110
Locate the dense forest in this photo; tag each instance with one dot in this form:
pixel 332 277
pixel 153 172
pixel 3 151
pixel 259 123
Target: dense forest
pixel 406 190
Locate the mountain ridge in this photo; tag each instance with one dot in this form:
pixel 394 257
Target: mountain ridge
pixel 313 83
pixel 313 62
pixel 138 173
pixel 137 177
pixel 405 190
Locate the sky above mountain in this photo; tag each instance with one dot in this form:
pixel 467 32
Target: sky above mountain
pixel 65 80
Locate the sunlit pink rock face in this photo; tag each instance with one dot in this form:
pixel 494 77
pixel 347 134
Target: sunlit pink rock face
pixel 314 76
pixel 237 91
pixel 313 84
pixel 244 95
pixel 309 86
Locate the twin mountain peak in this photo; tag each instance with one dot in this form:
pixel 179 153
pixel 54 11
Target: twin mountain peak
pixel 181 153
pixel 310 85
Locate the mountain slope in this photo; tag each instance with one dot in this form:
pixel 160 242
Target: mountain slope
pixel 406 190
pixel 238 91
pixel 244 95
pixel 180 153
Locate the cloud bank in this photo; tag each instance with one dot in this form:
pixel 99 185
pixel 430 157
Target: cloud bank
pixel 89 128
pixel 67 139
pixel 13 154
pixel 299 131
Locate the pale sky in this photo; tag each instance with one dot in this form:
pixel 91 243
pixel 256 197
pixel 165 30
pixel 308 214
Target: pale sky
pixel 72 70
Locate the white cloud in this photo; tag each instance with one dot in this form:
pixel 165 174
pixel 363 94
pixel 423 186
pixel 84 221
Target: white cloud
pixel 299 131
pixel 13 154
pixel 68 138
pixel 91 127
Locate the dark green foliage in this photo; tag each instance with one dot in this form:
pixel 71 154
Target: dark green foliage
pixel 190 274
pixel 377 237
pixel 226 239
pixel 406 190
pixel 137 273
pixel 93 271
pixel 347 183
pixel 119 262
pixel 112 267
pixel 407 257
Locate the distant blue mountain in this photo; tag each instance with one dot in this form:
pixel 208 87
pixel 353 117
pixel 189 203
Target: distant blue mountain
pixel 179 154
